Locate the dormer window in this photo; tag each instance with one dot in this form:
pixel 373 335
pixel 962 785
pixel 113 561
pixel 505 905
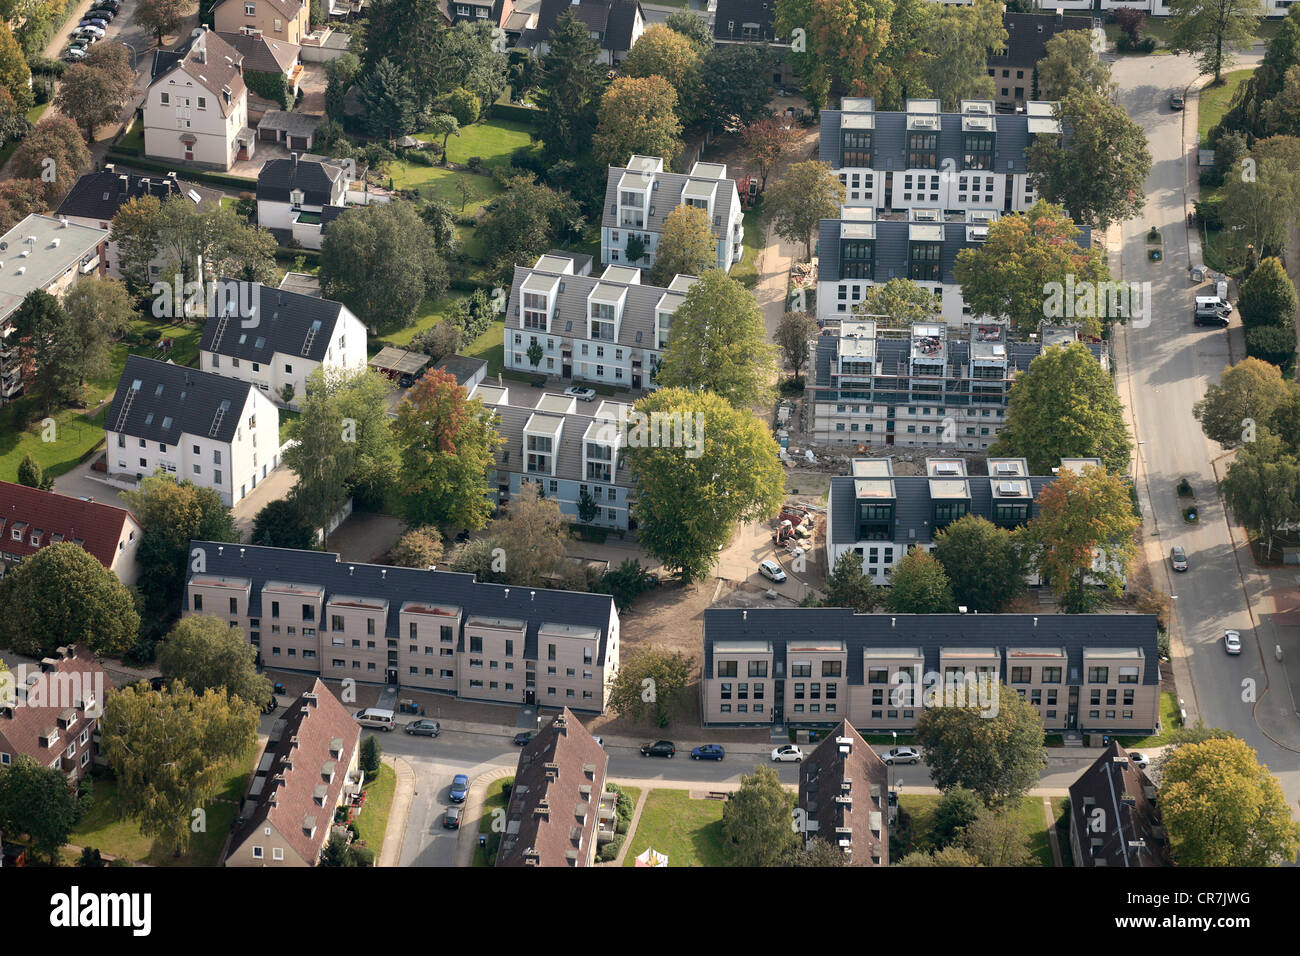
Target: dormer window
pixel 296 198
pixel 536 311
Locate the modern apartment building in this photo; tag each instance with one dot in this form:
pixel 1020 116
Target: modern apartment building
pixel 843 797
pixel 572 452
pixel 1085 673
pixel 639 197
pixel 1114 820
pixel 32 519
pixel 437 631
pixel 611 329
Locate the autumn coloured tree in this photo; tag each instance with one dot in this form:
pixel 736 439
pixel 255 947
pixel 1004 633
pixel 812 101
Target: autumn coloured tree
pixel 54 154
pixel 637 117
pixel 664 52
pixel 687 246
pixel 768 141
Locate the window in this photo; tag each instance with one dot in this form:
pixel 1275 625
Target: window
pixel 726 668
pixel 1098 675
pixel 203 102
pixel 831 668
pixel 165 99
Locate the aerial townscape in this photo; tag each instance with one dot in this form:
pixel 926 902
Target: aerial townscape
pixel 650 433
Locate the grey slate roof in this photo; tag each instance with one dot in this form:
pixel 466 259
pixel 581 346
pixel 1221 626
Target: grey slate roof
pixel 1107 782
pixel 537 606
pixel 100 195
pixel 667 198
pixel 284 321
pixel 511 456
pixel 933 632
pixel 263 54
pixel 186 399
pixel 611 20
pixel 1027 36
pixel 740 12
pixel 295 124
pixel 889 141
pixel 279 177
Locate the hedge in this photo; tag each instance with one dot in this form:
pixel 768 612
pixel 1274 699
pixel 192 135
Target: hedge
pixel 269 86
pixel 508 111
pixel 186 172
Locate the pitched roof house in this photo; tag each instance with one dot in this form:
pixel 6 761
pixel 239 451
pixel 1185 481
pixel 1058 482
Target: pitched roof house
pixel 31 519
pixel 616 25
pixel 298 198
pixel 1114 820
pixel 557 806
pixel 843 795
pixel 285 20
pixel 53 716
pixel 266 54
pixel 309 767
pixel 1014 68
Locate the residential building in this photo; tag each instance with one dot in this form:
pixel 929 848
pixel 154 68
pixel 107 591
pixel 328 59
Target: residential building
pixel 611 329
pixel 861 249
pixel 191 424
pixel 31 519
pixel 437 631
pixel 876 386
pixel 1114 819
pixel 284 20
pixel 1083 673
pixel 751 21
pixel 494 12
pixel 572 456
pixel 615 25
pixel 1014 68
pixel 844 797
pixel 310 768
pixel 95 199
pixel 54 712
pixel 297 199
pixel 286 338
pixel 558 807
pixel 196 109
pixel 639 197
pixel 44 253
pixel 267 55
pixel 925 158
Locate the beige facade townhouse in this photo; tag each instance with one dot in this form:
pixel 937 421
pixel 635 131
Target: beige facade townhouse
pixel 284 20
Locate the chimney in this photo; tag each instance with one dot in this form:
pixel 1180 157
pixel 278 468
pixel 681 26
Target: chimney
pixel 220 549
pixel 744 615
pixel 108 168
pixel 1035 622
pixel 532 595
pixel 893 622
pixel 241 554
pixel 294 157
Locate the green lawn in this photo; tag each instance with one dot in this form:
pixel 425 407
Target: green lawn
pixel 1030 814
pixel 492 142
pixel 287 415
pixel 1170 719
pixel 490 346
pixel 921 807
pixel 689 831
pixel 432 311
pixel 746 270
pixel 437 182
pixel 1060 809
pixel 133 142
pixel 493 800
pixel 372 821
pixel 1215 100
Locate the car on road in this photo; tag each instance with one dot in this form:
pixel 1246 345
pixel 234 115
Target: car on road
pixel 708 752
pixel 114 5
pixel 772 571
pixel 451 818
pixel 1212 319
pixel 787 754
pixel 1232 642
pixel 580 393
pixel 1139 760
pixel 423 728
pixel 1178 558
pixel 660 748
pixel 459 788
pixel 1176 100
pixel 908 755
pixel 525 738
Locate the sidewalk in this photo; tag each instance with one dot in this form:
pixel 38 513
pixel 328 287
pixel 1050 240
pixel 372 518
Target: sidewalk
pixel 395 831
pixel 469 820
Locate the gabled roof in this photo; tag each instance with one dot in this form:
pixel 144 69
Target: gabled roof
pixel 94 526
pixel 173 400
pixel 280 177
pixel 667 197
pixel 289 9
pixel 100 195
pixel 211 61
pixel 283 322
pixel 41 703
pixel 732 15
pixel 1027 36
pixel 843 790
pixel 1116 796
pixel 554 808
pixel 612 20
pixel 301 774
pixel 264 54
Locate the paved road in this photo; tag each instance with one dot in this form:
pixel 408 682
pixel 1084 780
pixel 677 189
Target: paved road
pixel 1162 370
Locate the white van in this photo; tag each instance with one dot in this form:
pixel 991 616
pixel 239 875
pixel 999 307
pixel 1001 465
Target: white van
pixel 376 717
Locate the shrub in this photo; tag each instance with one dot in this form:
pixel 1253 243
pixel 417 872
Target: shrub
pixel 507 785
pixel 1162 644
pixel 475 163
pixel 622 825
pixel 609 851
pixel 362 855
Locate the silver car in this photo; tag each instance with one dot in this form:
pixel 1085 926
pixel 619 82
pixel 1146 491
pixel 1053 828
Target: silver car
pixel 1232 642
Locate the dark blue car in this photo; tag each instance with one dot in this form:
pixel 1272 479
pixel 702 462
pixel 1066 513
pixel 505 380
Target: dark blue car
pixel 708 752
pixel 459 788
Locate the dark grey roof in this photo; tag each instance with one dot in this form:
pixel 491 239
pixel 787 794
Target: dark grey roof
pixel 279 177
pixel 285 322
pixel 933 632
pixel 581 261
pixel 537 606
pixel 263 54
pixel 621 22
pixel 611 20
pixel 1111 778
pixel 889 141
pixel 510 457
pixel 1027 36
pixel 100 195
pixel 667 197
pixel 461 367
pixel 295 124
pixel 732 15
pixel 173 400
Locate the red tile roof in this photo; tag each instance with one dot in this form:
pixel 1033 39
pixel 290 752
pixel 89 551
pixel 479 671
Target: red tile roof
pixel 97 527
pixel 56 695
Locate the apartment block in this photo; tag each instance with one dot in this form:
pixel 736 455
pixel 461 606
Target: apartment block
pixel 1114 817
pixel 1084 673
pixel 54 711
pixel 1014 68
pixel 32 519
pixel 843 796
pixel 435 631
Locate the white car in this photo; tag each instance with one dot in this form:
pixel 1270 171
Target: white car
pixel 89 30
pixel 908 755
pixel 1232 642
pixel 786 754
pixel 772 571
pixel 1139 760
pixel 580 393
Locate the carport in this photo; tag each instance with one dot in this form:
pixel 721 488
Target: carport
pixel 395 362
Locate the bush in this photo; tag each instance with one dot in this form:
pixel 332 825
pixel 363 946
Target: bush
pixel 609 851
pixel 1272 343
pixel 507 786
pixel 1162 644
pixel 47 65
pixel 622 825
pixel 362 855
pixel 474 163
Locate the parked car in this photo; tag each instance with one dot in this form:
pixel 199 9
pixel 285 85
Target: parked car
pixel 451 818
pixel 772 571
pixel 270 705
pixel 1175 100
pixel 89 30
pixel 660 748
pixel 75 51
pixel 908 755
pixel 525 738
pixel 459 788
pixel 787 754
pixel 580 393
pixel 1178 558
pixel 114 5
pixel 100 22
pixel 1212 319
pixel 423 728
pixel 376 717
pixel 708 752
pixel 1232 642
pixel 1139 759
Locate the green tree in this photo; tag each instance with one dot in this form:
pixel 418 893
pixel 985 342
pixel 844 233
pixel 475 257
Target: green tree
pixel 1268 297
pixel 45 339
pixel 460 103
pixel 820 853
pixel 957 41
pixel 160 17
pixel 756 821
pixel 209 654
pixel 718 343
pixel 626 582
pixel 322 455
pixel 31 474
pixel 692 26
pixel 93 95
pixel 171 752
pixel 794 336
pixel 389 104
pixel 736 81
pixel 1271 343
pixel 529 219
pixel 650 682
pixel 1261 207
pixel 40 802
pixel 997 838
pixel 1262 486
pixel 479 558
pixel 847 586
pixel 15 75
pixel 956 810
pixel 1246 397
pixel 532 534
pixel 281 524
pixel 637 116
pixel 1064 406
pixel 1070 64
pixel 901 302
pixel 100 311
pixel 371 750
pixel 662 51
pixel 1211 29
pixel 919 585
pixel 446 126
pixel 845 41
pixel 804 195
pixel 340 72
pixel 948 856
pixel 54 154
pixel 982 562
pixel 570 83
pixel 690 498
pixel 418 548
pixel 687 246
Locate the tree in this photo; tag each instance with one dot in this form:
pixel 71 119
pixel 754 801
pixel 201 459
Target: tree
pixel 847 586
pixel 100 311
pixel 468 55
pixel 525 222
pixel 443 339
pixel 997 756
pixel 19 198
pixel 806 194
pixel 958 39
pixel 689 498
pixel 1071 64
pixel 1247 396
pixel 1064 406
pixel 948 856
pixel 692 26
pixel 532 534
pixel 94 92
pixel 209 654
pixel 901 302
pixel 447 445
pixel 718 343
pixel 408 32
pixel 768 141
pixel 380 260
pixel 1271 343
pixel 997 838
pixel 1100 177
pixel 479 557
pixel 919 585
pixel 1268 297
pixel 756 821
pixel 371 751
pixel 794 336
pixel 31 474
pixel 389 104
pixel 1081 541
pixel 569 86
pixel 340 72
pixel 160 17
pixel 1222 807
pixel 438 216
pixel 461 104
pixel 90 858
pixel 1261 207
pixel 170 751
pixel 637 116
pixel 1131 23
pixel 650 682
pixel 1211 29
pixel 45 341
pixel 53 153
pixel 40 802
pixel 982 562
pixel 845 41
pixel 820 853
pixel 687 246
pixel 662 51
pixel 281 524
pixel 15 75
pixel 1262 486
pixel 626 582
pixel 737 81
pixel 956 810
pixel 446 126
pixel 418 548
